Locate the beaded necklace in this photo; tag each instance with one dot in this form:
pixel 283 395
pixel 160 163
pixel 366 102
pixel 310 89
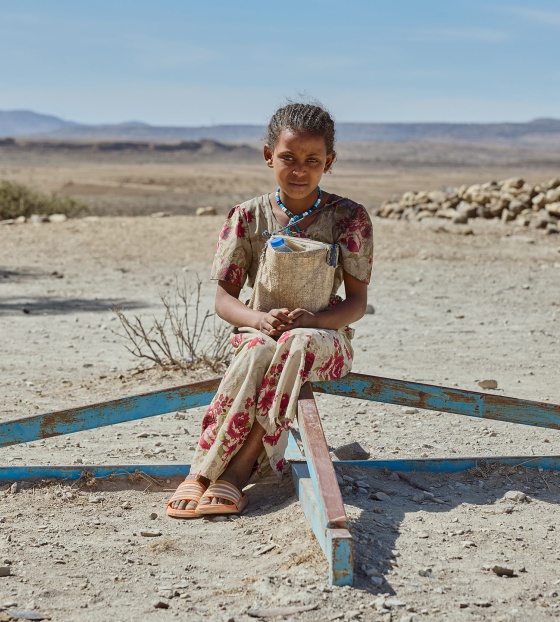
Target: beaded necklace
pixel 295 218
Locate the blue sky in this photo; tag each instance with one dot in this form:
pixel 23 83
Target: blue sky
pixel 177 62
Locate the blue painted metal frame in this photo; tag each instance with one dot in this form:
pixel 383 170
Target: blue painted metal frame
pixel 36 427
pixel 10 474
pixel 374 388
pixel 336 542
pixel 445 399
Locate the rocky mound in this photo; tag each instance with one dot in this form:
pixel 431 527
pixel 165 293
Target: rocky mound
pixel 509 200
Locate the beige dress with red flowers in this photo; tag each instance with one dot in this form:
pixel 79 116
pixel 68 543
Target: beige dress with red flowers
pixel 263 380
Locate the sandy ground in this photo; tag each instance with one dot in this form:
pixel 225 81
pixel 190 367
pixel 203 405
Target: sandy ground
pixel 450 309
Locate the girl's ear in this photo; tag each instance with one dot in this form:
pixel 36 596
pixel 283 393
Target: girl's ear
pixel 267 152
pixel 331 159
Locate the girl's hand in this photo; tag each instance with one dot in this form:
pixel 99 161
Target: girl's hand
pixel 275 322
pixel 302 318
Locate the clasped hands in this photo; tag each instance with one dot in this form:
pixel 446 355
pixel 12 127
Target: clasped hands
pixel 278 321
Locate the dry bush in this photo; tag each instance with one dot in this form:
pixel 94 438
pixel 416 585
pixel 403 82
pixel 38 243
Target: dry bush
pixel 185 338
pixel 20 200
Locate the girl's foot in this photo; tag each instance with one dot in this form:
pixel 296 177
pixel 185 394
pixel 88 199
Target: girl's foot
pixel 227 477
pixel 190 505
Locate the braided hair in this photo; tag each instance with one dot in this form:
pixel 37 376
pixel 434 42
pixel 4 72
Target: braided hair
pixel 298 117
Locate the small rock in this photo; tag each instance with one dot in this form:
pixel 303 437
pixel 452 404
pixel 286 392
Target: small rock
pixel 370 310
pixel 351 451
pixel 160 604
pixel 37 219
pixel 126 505
pixel 362 491
pixel 394 477
pixel 502 571
pixel 488 384
pixel 425 572
pixel 394 602
pixel 423 534
pixel 14 488
pixel 409 411
pixel 206 211
pixel 380 496
pixel 150 534
pixel 5 571
pixel 468 544
pixel 58 218
pixel 153 516
pixel 515 495
pixel 377 581
pixel 159 214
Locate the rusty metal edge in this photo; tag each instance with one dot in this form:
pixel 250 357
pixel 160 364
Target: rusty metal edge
pixel 319 461
pixel 444 399
pixel 37 427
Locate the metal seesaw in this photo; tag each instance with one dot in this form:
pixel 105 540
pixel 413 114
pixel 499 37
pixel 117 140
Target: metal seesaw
pixel 314 475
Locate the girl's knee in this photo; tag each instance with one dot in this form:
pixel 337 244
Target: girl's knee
pixel 300 337
pixel 260 346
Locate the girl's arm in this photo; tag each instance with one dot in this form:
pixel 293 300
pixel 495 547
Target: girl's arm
pixel 349 310
pixel 232 310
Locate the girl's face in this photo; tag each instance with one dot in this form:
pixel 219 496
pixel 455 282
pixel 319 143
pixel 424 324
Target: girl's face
pixel 299 160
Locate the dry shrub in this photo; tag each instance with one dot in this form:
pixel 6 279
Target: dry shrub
pixel 20 200
pixel 187 337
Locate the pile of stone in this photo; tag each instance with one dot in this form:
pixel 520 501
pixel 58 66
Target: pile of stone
pixel 509 200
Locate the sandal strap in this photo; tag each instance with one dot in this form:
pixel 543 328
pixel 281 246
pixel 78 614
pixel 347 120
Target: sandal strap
pixel 223 490
pixel 189 490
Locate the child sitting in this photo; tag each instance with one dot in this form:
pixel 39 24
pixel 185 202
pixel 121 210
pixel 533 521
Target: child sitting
pixel 245 429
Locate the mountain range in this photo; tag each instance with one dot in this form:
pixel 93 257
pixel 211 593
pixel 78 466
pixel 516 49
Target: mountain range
pixel 28 124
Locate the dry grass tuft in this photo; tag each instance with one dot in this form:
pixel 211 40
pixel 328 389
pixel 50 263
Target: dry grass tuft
pixel 20 200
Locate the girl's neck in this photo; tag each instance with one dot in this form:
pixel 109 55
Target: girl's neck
pixel 298 206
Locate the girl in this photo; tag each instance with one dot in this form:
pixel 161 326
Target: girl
pixel 245 430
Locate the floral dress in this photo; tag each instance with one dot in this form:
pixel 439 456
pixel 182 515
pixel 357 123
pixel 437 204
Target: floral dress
pixel 264 378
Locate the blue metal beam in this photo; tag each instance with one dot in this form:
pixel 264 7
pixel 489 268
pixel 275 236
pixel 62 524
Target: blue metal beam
pixel 445 399
pixel 360 386
pixel 319 461
pixel 455 465
pixel 427 465
pixel 337 544
pixel 73 472
pixel 37 427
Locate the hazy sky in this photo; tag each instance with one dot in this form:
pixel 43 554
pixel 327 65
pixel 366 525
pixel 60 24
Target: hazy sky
pixel 179 62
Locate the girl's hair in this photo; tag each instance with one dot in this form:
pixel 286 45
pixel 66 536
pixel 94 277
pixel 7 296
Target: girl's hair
pixel 298 117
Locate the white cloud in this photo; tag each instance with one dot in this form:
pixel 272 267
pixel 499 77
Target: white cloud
pixel 539 16
pixel 487 35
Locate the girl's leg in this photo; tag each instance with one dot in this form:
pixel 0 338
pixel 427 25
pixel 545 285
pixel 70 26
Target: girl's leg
pixel 300 355
pixel 229 420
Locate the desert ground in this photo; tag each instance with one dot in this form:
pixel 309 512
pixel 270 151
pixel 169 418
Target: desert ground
pixel 454 305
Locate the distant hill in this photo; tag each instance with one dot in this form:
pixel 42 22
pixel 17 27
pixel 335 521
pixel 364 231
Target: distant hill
pixel 23 123
pixel 27 123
